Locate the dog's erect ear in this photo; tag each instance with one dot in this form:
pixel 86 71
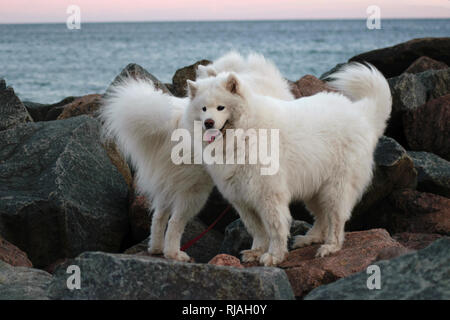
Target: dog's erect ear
pixel 233 85
pixel 192 88
pixel 208 71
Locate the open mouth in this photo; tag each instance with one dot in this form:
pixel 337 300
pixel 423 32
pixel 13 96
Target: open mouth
pixel 213 134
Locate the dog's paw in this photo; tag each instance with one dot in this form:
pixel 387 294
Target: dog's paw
pixel 155 250
pixel 251 255
pixel 177 255
pixel 303 241
pixel 327 249
pixel 271 260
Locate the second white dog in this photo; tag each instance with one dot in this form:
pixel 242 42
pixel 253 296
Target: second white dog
pixel 326 147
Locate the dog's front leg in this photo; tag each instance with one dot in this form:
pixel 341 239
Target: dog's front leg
pixel 277 221
pixel 255 227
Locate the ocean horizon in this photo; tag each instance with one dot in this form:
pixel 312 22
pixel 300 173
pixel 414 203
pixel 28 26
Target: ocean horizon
pixel 47 62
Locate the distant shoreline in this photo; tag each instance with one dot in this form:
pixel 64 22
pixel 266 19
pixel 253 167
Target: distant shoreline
pixel 225 20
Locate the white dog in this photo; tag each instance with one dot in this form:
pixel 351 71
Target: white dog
pixel 142 119
pixel 326 146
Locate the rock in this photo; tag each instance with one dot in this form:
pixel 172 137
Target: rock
pixel 433 173
pixel 11 108
pixel 88 105
pixel 137 72
pixel 308 86
pixel 394 170
pixel 23 283
pixel 182 75
pixel 128 277
pixel 51 268
pixel 391 253
pixel 226 260
pixel 202 251
pixel 427 128
pixel 60 194
pixel 306 272
pixel 420 275
pixel 392 61
pixel 325 75
pixel 410 91
pixel 46 112
pixel 416 241
pixel 418 212
pixel 12 255
pixel 425 63
pixel 237 237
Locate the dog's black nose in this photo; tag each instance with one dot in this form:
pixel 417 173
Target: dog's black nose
pixel 209 123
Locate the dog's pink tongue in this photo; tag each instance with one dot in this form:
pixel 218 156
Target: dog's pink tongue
pixel 211 134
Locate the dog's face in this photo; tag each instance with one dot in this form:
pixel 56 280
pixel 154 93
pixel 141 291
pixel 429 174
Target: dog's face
pixel 216 102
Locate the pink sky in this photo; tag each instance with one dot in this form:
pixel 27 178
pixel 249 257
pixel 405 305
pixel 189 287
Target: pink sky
pixel 22 11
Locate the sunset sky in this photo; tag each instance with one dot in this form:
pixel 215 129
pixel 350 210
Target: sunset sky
pixel 23 11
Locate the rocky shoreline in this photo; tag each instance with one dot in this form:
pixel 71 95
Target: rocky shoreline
pixel 67 198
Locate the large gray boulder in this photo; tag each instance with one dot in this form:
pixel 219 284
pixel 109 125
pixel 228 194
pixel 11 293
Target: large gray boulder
pixel 129 277
pixel 421 275
pixel 12 110
pixel 433 173
pixel 410 91
pixel 23 283
pixel 392 61
pixel 47 112
pixel 60 194
pixel 394 170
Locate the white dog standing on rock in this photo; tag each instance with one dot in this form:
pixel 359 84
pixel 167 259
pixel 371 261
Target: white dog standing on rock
pixel 142 119
pixel 326 146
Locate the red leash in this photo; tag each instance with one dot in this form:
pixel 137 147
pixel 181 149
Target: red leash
pixel 192 241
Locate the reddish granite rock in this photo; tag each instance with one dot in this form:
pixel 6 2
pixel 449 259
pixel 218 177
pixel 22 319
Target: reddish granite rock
pixel 226 260
pixel 427 128
pixel 416 241
pixel 308 86
pixel 53 266
pixel 361 248
pixel 9 253
pixel 425 63
pixel 88 104
pixel 419 212
pixel 391 253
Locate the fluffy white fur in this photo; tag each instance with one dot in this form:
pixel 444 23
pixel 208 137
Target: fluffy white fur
pixel 142 119
pixel 326 151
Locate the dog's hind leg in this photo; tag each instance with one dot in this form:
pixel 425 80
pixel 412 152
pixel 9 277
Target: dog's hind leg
pixel 185 207
pixel 319 230
pixel 255 227
pixel 159 222
pixel 339 206
pixel 277 222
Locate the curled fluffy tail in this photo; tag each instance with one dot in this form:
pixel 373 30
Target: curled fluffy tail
pixel 363 81
pixel 134 111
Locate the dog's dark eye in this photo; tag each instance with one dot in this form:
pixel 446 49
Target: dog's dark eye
pixel 220 108
pixel 204 109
